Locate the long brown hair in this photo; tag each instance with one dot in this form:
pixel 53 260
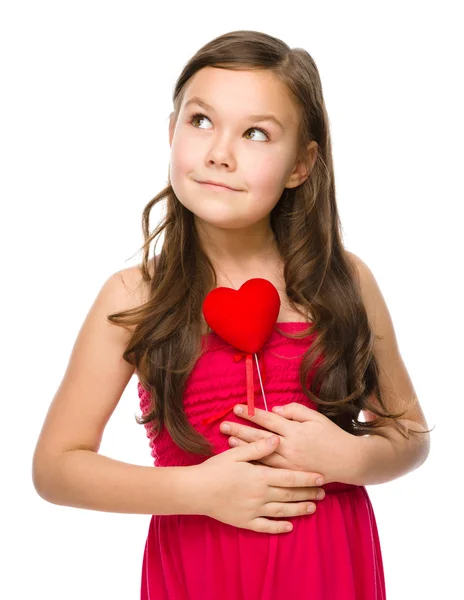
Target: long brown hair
pixel 319 277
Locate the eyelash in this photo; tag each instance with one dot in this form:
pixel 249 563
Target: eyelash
pixel 194 116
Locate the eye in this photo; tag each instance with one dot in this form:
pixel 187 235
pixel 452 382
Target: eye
pixel 201 116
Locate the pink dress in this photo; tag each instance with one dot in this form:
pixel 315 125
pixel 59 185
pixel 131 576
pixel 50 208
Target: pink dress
pixel 333 554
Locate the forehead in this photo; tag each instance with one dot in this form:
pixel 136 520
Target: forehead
pixel 242 93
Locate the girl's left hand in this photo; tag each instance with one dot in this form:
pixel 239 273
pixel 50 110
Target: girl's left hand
pixel 310 441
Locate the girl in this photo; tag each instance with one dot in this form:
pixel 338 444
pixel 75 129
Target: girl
pixel 251 194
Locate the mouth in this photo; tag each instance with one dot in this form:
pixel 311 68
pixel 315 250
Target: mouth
pixel 219 188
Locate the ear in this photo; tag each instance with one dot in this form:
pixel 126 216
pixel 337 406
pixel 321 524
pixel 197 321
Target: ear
pixel 303 169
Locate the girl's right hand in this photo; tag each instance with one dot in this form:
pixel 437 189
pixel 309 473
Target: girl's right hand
pixel 243 494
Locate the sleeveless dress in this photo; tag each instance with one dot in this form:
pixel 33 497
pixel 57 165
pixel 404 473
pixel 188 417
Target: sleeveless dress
pixel 332 554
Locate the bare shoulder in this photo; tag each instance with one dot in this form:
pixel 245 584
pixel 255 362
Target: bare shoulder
pixel 131 287
pixel 355 261
pixel 371 294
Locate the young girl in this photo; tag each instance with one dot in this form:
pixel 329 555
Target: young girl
pixel 284 514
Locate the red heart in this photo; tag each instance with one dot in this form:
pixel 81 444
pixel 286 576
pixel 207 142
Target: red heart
pixel 244 318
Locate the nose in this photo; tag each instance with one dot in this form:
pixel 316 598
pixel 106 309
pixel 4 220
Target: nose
pixel 220 154
pixel 215 161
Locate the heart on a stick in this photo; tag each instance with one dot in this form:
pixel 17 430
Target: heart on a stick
pixel 244 318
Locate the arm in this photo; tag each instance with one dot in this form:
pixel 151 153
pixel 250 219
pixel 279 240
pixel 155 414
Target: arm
pixel 85 479
pixel 318 445
pixel 67 468
pixel 378 460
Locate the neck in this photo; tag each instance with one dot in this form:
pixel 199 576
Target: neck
pixel 239 249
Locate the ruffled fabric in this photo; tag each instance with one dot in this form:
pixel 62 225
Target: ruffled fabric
pixel 332 554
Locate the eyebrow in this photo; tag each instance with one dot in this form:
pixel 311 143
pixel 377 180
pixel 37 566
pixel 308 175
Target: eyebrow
pixel 203 104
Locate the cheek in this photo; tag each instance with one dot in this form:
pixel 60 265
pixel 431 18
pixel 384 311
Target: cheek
pixel 180 168
pixel 266 177
pixel 181 160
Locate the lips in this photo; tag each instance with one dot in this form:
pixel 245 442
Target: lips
pixel 217 186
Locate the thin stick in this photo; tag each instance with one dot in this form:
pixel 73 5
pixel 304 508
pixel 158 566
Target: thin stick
pixel 259 375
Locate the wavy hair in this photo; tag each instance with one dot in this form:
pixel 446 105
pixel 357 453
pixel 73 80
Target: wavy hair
pixel 320 278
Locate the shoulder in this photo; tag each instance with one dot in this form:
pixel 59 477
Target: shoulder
pixel 126 289
pixel 373 299
pixel 361 267
pixel 395 382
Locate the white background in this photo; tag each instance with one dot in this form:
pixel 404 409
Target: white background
pixel 86 94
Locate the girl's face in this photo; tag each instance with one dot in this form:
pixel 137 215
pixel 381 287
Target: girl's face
pixel 225 144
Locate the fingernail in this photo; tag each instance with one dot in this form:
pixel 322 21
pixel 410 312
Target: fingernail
pixel 225 428
pixel 238 410
pixel 319 481
pixel 278 408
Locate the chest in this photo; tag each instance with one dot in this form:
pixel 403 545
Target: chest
pixel 287 312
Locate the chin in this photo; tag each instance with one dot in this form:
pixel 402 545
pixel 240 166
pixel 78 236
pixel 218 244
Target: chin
pixel 225 222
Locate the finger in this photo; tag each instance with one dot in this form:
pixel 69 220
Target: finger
pixel 268 420
pixel 234 442
pixel 296 412
pixel 262 525
pixel 256 450
pixel 290 478
pixel 288 509
pixel 275 461
pixel 244 432
pixel 296 494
